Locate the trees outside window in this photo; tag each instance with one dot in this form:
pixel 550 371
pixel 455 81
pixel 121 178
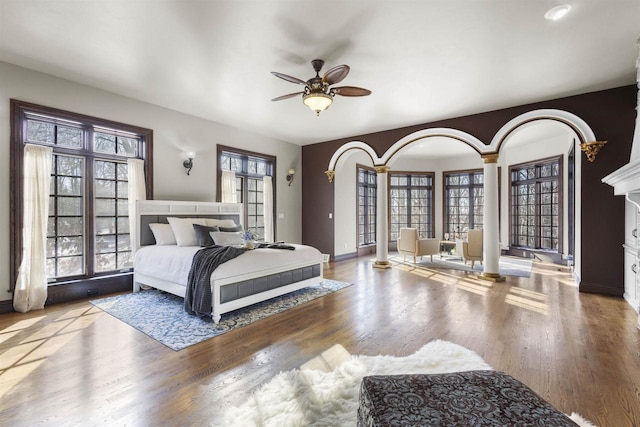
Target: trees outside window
pixel 88 224
pixel 367 188
pixel 250 169
pixel 535 204
pixel 411 203
pixel 463 202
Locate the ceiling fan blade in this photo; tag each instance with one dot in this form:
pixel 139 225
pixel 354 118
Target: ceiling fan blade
pixel 336 74
pixel 289 78
pixel 287 96
pixel 350 91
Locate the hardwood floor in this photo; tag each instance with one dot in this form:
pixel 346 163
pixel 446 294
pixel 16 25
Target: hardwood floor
pixel 72 364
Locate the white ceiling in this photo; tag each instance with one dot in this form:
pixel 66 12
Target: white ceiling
pixel 423 60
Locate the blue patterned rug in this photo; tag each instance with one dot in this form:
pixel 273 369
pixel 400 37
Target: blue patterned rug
pixel 161 315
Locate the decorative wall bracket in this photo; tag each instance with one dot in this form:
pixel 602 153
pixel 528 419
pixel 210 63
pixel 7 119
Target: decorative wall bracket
pixel 330 175
pixel 592 148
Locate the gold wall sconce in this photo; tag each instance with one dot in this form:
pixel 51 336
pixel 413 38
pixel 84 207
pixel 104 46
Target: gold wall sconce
pixel 592 148
pixel 290 175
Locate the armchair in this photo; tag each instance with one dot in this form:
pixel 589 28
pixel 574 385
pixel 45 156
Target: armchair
pixel 409 243
pixel 471 249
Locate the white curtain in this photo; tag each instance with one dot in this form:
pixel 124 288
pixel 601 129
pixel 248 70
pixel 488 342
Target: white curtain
pixel 31 286
pixel 268 209
pixel 137 190
pixel 228 186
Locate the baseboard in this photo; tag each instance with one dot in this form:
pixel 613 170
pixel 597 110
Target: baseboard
pixel 342 257
pixel 6 306
pixel 78 290
pixel 367 250
pixel 632 301
pixel 597 288
pixel 539 255
pixel 89 288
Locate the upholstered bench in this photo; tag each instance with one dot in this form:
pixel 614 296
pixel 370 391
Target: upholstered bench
pixel 473 398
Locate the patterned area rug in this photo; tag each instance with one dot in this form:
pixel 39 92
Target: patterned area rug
pixel 508 266
pixel 161 315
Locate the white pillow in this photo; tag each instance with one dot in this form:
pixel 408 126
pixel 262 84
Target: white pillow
pixel 163 234
pixel 212 222
pixel 183 230
pixel 223 238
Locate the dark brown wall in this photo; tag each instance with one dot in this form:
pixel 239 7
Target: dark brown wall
pixel 610 114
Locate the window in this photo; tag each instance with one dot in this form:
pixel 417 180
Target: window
pixel 367 188
pixel 88 225
pixel 65 230
pixel 250 169
pixel 463 202
pixel 411 203
pixel 113 243
pixel 535 205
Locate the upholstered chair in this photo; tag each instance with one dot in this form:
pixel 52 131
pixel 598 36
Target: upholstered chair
pixel 471 249
pixel 409 243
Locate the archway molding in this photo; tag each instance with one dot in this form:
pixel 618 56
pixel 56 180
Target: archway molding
pixel 406 141
pixel 581 129
pixel 353 145
pixel 579 126
pixel 397 147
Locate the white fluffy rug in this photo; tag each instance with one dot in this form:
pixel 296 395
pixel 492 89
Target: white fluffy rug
pixel 316 398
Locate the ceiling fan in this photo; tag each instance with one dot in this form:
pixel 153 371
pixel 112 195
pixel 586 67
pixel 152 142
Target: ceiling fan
pixel 317 94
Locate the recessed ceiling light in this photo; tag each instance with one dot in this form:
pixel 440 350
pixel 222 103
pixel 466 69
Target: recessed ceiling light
pixel 557 12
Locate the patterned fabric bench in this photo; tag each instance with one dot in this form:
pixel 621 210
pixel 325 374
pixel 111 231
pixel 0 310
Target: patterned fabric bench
pixel 473 398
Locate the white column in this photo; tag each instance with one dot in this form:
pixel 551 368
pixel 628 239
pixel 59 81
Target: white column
pixel 491 240
pixel 382 218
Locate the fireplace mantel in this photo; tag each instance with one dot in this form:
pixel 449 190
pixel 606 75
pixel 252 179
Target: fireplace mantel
pixel 626 182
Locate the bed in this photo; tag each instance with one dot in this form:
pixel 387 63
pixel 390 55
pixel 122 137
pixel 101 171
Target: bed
pixel 255 276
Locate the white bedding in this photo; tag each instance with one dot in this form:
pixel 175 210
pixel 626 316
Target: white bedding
pixel 173 263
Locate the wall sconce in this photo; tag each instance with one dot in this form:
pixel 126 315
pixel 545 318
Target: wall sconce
pixel 290 176
pixel 188 164
pixel 592 148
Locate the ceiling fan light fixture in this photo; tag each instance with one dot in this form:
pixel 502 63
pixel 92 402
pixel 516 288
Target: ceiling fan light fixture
pixel 317 101
pixel 557 12
pixel 318 93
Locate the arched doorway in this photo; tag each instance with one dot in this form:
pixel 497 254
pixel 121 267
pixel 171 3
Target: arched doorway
pixel 510 135
pixel 541 134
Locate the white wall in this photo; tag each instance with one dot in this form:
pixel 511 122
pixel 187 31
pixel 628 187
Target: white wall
pixel 345 202
pixel 174 133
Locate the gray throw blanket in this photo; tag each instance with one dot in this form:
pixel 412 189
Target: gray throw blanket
pixel 198 297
